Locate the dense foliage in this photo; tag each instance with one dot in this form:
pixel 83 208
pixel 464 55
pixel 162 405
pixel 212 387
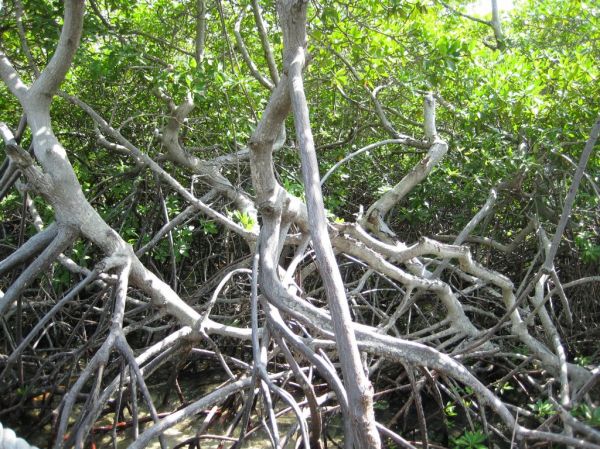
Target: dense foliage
pixel 515 112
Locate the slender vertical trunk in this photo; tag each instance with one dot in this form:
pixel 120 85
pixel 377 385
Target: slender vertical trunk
pixel 497 26
pixel 360 392
pixel 200 30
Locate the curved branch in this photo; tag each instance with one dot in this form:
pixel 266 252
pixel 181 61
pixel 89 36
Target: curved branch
pixel 209 171
pixel 31 248
pixel 264 40
pixel 404 140
pixel 212 398
pixel 65 237
pixel 137 153
pixel 48 316
pixel 11 78
pixel 44 88
pixel 246 56
pixel 375 216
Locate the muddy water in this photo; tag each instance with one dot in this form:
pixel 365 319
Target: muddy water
pixel 186 429
pixel 192 387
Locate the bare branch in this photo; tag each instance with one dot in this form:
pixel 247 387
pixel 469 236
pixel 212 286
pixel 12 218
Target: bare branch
pixel 264 40
pixel 466 16
pixel 11 78
pixel 375 215
pixel 200 30
pixel 246 56
pixel 358 386
pixel 570 199
pixel 65 237
pixel 30 249
pixel 44 88
pixel 23 38
pixel 405 140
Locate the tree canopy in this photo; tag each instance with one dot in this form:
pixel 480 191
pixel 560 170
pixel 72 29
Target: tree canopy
pixel 383 211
